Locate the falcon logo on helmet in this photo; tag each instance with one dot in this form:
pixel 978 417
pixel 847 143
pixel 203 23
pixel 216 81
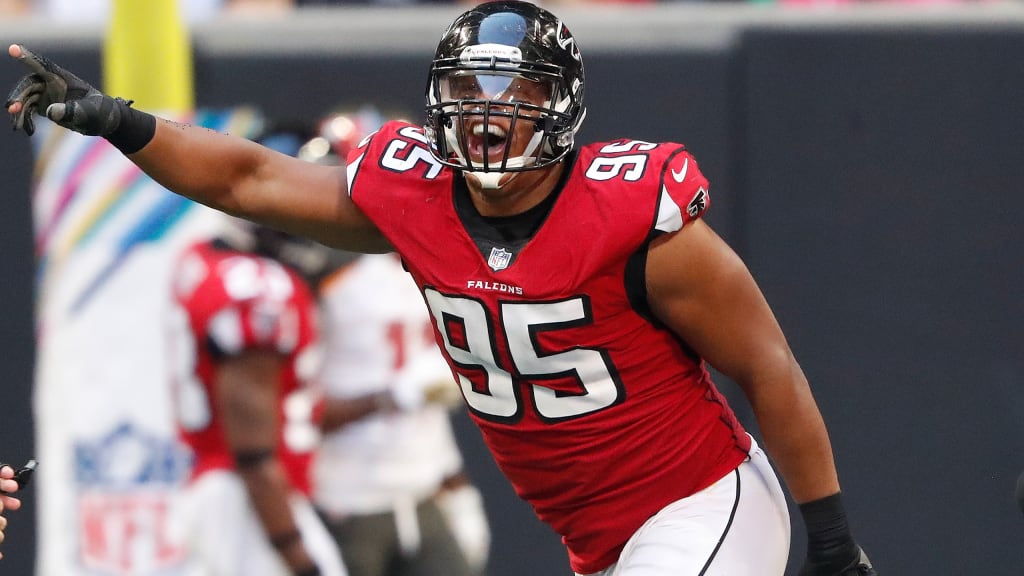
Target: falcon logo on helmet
pixel 567 42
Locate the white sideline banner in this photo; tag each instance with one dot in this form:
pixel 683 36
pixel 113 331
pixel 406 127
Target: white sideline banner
pixel 105 238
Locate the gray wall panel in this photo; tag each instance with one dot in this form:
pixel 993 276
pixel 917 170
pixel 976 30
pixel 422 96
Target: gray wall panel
pixel 883 188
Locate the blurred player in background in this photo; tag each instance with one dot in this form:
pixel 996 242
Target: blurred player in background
pixel 389 476
pixel 245 333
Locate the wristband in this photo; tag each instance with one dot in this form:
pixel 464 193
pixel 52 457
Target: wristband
pixel 384 402
pixel 135 129
pixel 245 459
pixel 285 540
pixel 829 540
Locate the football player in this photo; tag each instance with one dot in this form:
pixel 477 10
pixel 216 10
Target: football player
pixel 246 339
pixel 576 292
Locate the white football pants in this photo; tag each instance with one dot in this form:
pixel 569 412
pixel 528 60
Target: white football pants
pixel 223 536
pixel 738 526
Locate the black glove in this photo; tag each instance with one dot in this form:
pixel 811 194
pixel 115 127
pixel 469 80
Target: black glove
pixel 62 97
pixel 74 104
pixel 831 550
pixel 861 566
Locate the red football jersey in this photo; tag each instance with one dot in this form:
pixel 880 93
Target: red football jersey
pixel 228 302
pixel 598 414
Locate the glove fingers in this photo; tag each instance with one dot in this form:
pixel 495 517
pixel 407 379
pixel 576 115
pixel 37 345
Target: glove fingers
pixel 24 118
pixel 56 80
pixel 29 58
pixel 62 97
pixel 27 85
pixel 59 111
pixel 39 64
pixel 28 92
pixel 31 101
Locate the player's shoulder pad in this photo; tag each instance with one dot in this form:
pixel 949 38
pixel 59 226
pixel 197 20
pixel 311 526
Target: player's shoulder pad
pixel 241 277
pixel 398 150
pixel 666 171
pixel 258 303
pixel 684 188
pixel 388 131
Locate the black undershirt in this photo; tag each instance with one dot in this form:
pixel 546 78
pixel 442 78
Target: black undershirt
pixel 509 233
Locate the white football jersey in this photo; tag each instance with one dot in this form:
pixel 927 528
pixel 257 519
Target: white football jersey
pixel 376 325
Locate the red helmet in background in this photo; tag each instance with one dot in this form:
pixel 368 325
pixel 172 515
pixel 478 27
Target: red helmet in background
pixel 341 131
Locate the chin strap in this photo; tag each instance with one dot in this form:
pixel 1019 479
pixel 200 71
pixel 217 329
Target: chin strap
pixel 490 180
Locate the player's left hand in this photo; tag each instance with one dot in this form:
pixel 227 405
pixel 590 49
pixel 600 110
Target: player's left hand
pixel 860 565
pixel 61 96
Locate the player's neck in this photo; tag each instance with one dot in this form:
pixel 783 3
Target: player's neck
pixel 523 191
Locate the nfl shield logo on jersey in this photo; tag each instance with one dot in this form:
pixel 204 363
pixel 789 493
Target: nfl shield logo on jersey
pixel 499 259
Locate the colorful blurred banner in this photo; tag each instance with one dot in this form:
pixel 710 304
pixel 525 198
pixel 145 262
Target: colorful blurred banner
pixel 105 237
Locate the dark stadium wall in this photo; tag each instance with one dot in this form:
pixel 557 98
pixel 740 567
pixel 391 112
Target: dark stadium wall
pixel 870 176
pixel 882 194
pixel 17 270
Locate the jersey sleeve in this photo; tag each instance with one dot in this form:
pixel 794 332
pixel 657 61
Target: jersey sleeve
pixel 398 152
pixel 368 152
pixel 251 304
pixel 684 192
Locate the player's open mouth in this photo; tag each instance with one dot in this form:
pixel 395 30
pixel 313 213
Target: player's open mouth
pixel 490 140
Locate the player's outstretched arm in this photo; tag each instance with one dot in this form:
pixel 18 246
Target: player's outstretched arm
pixel 226 172
pixel 700 288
